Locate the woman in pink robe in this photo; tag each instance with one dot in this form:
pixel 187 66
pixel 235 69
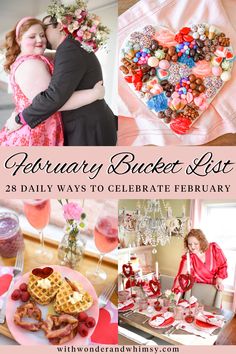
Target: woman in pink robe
pixel 208 263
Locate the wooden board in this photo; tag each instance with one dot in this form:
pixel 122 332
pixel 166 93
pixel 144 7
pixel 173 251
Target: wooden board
pixel 88 261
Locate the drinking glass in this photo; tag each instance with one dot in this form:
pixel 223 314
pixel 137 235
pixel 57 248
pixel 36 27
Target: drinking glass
pixel 190 315
pixel 37 212
pixel 106 240
pixel 178 313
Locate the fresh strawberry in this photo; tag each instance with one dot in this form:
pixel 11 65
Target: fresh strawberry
pixel 16 295
pixel 90 322
pixel 23 287
pixel 82 316
pixel 83 330
pixel 25 296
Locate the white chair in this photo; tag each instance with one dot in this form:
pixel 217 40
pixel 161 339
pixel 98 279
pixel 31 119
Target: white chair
pixel 206 294
pixel 166 282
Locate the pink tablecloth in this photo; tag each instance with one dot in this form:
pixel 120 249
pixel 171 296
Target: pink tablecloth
pixel 137 125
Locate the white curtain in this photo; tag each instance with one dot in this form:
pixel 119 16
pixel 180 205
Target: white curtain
pixel 196 213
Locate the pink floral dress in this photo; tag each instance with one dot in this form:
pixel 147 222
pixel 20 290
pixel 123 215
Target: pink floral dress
pixel 48 133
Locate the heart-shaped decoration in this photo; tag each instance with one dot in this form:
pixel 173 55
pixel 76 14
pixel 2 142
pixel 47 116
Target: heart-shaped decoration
pixel 127 270
pixel 42 272
pixel 155 286
pixel 105 331
pixel 141 282
pixel 177 75
pixel 130 283
pixel 186 281
pixel 5 281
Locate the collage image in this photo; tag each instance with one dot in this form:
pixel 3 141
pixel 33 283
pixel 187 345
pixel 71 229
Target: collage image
pixel 88 272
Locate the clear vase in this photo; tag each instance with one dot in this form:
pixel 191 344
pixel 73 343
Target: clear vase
pixel 71 250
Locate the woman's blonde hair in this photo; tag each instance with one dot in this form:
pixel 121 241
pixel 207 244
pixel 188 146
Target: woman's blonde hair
pixel 11 44
pixel 199 235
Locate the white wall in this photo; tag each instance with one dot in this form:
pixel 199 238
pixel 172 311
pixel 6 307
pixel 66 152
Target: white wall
pixel 108 58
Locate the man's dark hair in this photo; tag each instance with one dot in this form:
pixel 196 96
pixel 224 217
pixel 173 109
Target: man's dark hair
pixel 52 20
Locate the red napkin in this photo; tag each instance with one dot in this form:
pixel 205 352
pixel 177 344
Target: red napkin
pixel 105 331
pixel 5 281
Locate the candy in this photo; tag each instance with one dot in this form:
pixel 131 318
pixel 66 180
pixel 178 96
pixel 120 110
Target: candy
pixel 149 30
pixel 153 62
pixel 225 76
pixel 164 64
pixel 160 54
pixel 221 52
pixel 158 103
pixel 196 35
pixel 177 104
pixel 185 30
pixel 216 61
pixel 212 31
pixel 226 65
pixel 180 125
pixel 177 72
pixel 162 74
pixel 216 70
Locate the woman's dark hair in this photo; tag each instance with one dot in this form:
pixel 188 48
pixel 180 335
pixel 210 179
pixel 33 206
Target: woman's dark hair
pixel 199 235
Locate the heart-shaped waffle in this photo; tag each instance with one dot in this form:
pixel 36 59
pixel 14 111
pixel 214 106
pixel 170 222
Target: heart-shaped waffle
pixel 177 75
pixel 40 294
pixel 63 303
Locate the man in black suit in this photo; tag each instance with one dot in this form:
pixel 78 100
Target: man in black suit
pixel 74 69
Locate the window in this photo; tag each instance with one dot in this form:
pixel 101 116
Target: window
pixel 219 225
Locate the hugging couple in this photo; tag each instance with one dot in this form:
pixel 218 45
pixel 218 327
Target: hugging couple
pixel 59 101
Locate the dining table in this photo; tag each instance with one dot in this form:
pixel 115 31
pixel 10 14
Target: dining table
pixel 87 262
pixel 139 321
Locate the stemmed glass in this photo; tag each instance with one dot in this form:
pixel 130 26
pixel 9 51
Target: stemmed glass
pixel 37 212
pixel 106 240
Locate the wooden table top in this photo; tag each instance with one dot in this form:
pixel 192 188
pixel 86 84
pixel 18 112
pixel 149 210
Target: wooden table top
pixel 31 244
pixel 227 335
pixel 179 337
pixel 124 5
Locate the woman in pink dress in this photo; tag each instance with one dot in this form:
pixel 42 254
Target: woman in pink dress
pixel 207 261
pixel 30 73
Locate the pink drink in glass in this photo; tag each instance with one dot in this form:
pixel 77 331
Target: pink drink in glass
pixel 106 234
pixel 37 212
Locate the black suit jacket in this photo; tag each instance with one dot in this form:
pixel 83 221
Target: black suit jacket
pixel 75 69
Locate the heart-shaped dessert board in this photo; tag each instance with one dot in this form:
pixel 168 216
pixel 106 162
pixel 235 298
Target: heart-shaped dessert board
pixel 177 75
